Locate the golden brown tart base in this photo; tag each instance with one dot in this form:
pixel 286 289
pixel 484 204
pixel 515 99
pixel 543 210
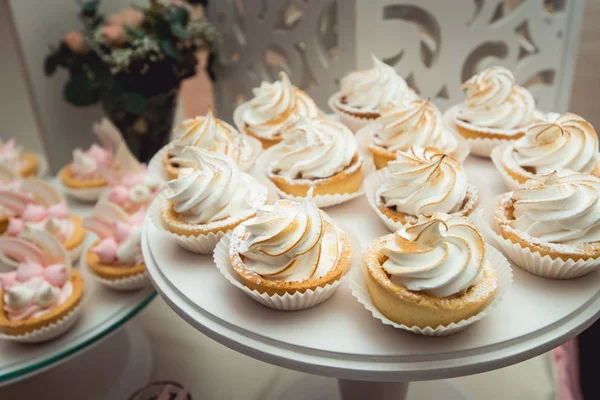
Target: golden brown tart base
pixel 3 224
pixel 173 224
pixel 519 176
pixel 468 206
pixel 472 133
pixel 110 271
pixel 78 235
pixel 68 179
pixel 347 181
pixel 273 287
pixel 504 215
pixel 410 308
pixel 31 324
pixel 266 143
pixel 355 113
pixel 31 165
pixel 171 170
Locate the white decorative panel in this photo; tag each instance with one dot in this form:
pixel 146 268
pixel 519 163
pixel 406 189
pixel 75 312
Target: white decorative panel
pixel 435 45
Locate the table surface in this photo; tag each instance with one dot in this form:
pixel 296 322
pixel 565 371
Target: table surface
pixel 104 311
pixel 340 338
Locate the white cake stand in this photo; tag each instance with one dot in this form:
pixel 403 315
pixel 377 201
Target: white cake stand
pixel 340 339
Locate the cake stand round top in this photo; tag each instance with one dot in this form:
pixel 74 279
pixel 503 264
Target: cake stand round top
pixel 340 338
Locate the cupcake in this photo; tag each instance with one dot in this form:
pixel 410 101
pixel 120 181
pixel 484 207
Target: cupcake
pixel 82 177
pixel 495 108
pixel 431 273
pixel 407 124
pixel 421 182
pixel 315 153
pixel 272 107
pixel 38 206
pixel 289 248
pixel 561 142
pixel 116 257
pixel 25 164
pixel 212 134
pixel 365 94
pixel 131 186
pixel 206 201
pixel 553 215
pixel 9 180
pixel 43 292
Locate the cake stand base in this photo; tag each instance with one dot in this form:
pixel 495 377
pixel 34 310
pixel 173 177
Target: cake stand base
pixel 322 388
pixel 113 369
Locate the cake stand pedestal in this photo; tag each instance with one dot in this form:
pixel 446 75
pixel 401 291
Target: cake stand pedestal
pixel 340 339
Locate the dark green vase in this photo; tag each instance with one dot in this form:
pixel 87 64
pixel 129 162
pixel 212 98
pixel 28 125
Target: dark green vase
pixel 148 132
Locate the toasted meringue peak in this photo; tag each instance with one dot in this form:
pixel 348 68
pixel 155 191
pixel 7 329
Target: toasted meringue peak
pixel 274 104
pixel 424 181
pixel 375 88
pixel 559 207
pixel 412 123
pixel 291 241
pixel 209 133
pixel 313 148
pixel 495 101
pixel 214 190
pixel 560 142
pixel 441 255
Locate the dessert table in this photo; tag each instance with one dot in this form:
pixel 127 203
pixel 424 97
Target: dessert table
pixel 341 339
pixel 98 331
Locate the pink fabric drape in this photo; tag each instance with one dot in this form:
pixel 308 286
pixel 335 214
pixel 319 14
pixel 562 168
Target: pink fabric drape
pixel 196 92
pixel 566 358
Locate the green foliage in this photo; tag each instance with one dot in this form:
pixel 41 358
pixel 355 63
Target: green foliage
pixel 153 60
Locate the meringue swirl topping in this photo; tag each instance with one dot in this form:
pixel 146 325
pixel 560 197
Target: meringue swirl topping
pixel 441 256
pixel 563 141
pixel 373 89
pixel 413 123
pixel 214 190
pixel 495 101
pixel 424 181
pixel 313 148
pixel 208 133
pixel 290 241
pixel 274 104
pixel 561 207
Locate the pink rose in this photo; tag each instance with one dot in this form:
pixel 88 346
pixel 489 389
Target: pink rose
pixel 132 17
pixel 114 35
pixel 76 42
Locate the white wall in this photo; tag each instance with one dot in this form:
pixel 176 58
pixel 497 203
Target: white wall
pixel 39 24
pixel 16 111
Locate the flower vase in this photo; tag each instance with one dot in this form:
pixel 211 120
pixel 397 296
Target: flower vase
pixel 148 131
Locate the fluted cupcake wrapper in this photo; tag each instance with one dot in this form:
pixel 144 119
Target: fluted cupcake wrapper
pixel 287 302
pixel 125 284
pixel 88 195
pixel 42 166
pixel 358 287
pixel 201 244
pixel 532 261
pixel 365 134
pixel 47 332
pixel 353 122
pixel 322 201
pixel 496 157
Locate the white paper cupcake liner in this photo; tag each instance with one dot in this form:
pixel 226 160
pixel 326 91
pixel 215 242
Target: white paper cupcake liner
pixel 85 195
pixel 42 166
pixel 321 200
pixel 364 135
pixel 352 122
pixel 201 244
pixel 287 302
pixel 496 157
pixel 75 252
pixel 125 284
pixel 534 262
pixel 501 266
pixel 156 169
pixel 48 332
